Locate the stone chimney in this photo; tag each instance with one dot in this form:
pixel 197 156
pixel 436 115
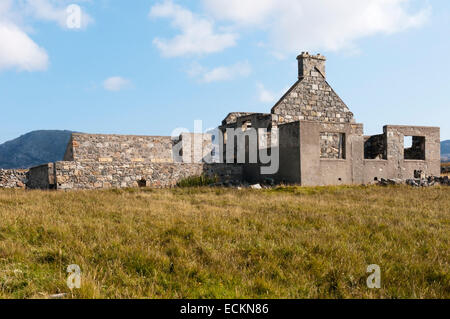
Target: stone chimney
pixel 310 63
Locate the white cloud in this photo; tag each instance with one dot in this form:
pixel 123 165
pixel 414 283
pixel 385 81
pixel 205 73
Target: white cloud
pixel 265 95
pixel 198 35
pixel 298 25
pixel 278 55
pixel 244 12
pixel 221 73
pixel 54 11
pixel 17 50
pixel 116 83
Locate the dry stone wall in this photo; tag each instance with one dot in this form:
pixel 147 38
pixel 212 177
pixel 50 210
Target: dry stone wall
pixel 95 175
pixel 12 178
pixel 119 148
pixel 114 161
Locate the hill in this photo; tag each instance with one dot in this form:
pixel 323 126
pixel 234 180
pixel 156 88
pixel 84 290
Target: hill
pixel 445 151
pixel 33 149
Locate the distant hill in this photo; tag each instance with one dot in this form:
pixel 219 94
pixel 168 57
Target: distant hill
pixel 445 151
pixel 33 149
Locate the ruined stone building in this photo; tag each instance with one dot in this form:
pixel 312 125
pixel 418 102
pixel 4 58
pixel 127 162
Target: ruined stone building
pixel 320 142
pixel 313 132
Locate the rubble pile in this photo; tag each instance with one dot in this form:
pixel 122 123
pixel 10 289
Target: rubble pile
pixel 12 178
pixel 416 182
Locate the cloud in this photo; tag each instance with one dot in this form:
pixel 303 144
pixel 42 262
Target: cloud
pixel 298 25
pixel 198 35
pixel 17 50
pixel 243 12
pixel 221 73
pixel 116 83
pixel 266 96
pixel 55 11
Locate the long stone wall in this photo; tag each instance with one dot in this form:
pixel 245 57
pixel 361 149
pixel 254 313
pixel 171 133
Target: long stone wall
pixel 94 175
pixel 94 161
pixel 119 148
pixel 12 178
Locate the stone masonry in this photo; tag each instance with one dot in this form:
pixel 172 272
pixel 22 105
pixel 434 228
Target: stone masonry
pixel 12 178
pixel 68 175
pixel 332 145
pixel 125 148
pixel 91 175
pixel 311 98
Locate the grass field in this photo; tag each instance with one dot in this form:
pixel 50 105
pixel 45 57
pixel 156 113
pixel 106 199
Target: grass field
pixel 224 243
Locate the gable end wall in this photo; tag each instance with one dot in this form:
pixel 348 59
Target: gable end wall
pixel 312 99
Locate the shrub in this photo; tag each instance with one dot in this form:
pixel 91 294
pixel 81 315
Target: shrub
pixel 197 181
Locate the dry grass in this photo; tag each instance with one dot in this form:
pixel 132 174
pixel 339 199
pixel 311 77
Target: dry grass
pixel 219 243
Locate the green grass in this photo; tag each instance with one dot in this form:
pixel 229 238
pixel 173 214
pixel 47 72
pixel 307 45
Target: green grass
pixel 222 243
pixel 197 181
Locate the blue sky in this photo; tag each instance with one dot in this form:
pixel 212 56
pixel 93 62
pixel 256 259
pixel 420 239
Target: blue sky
pixel 148 67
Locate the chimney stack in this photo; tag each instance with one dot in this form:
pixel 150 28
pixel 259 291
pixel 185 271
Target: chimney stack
pixel 310 65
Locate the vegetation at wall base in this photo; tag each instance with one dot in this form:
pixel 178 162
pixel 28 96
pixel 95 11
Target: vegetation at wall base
pixel 197 181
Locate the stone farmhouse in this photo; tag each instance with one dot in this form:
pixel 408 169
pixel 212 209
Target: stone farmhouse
pixel 311 130
pixel 320 142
